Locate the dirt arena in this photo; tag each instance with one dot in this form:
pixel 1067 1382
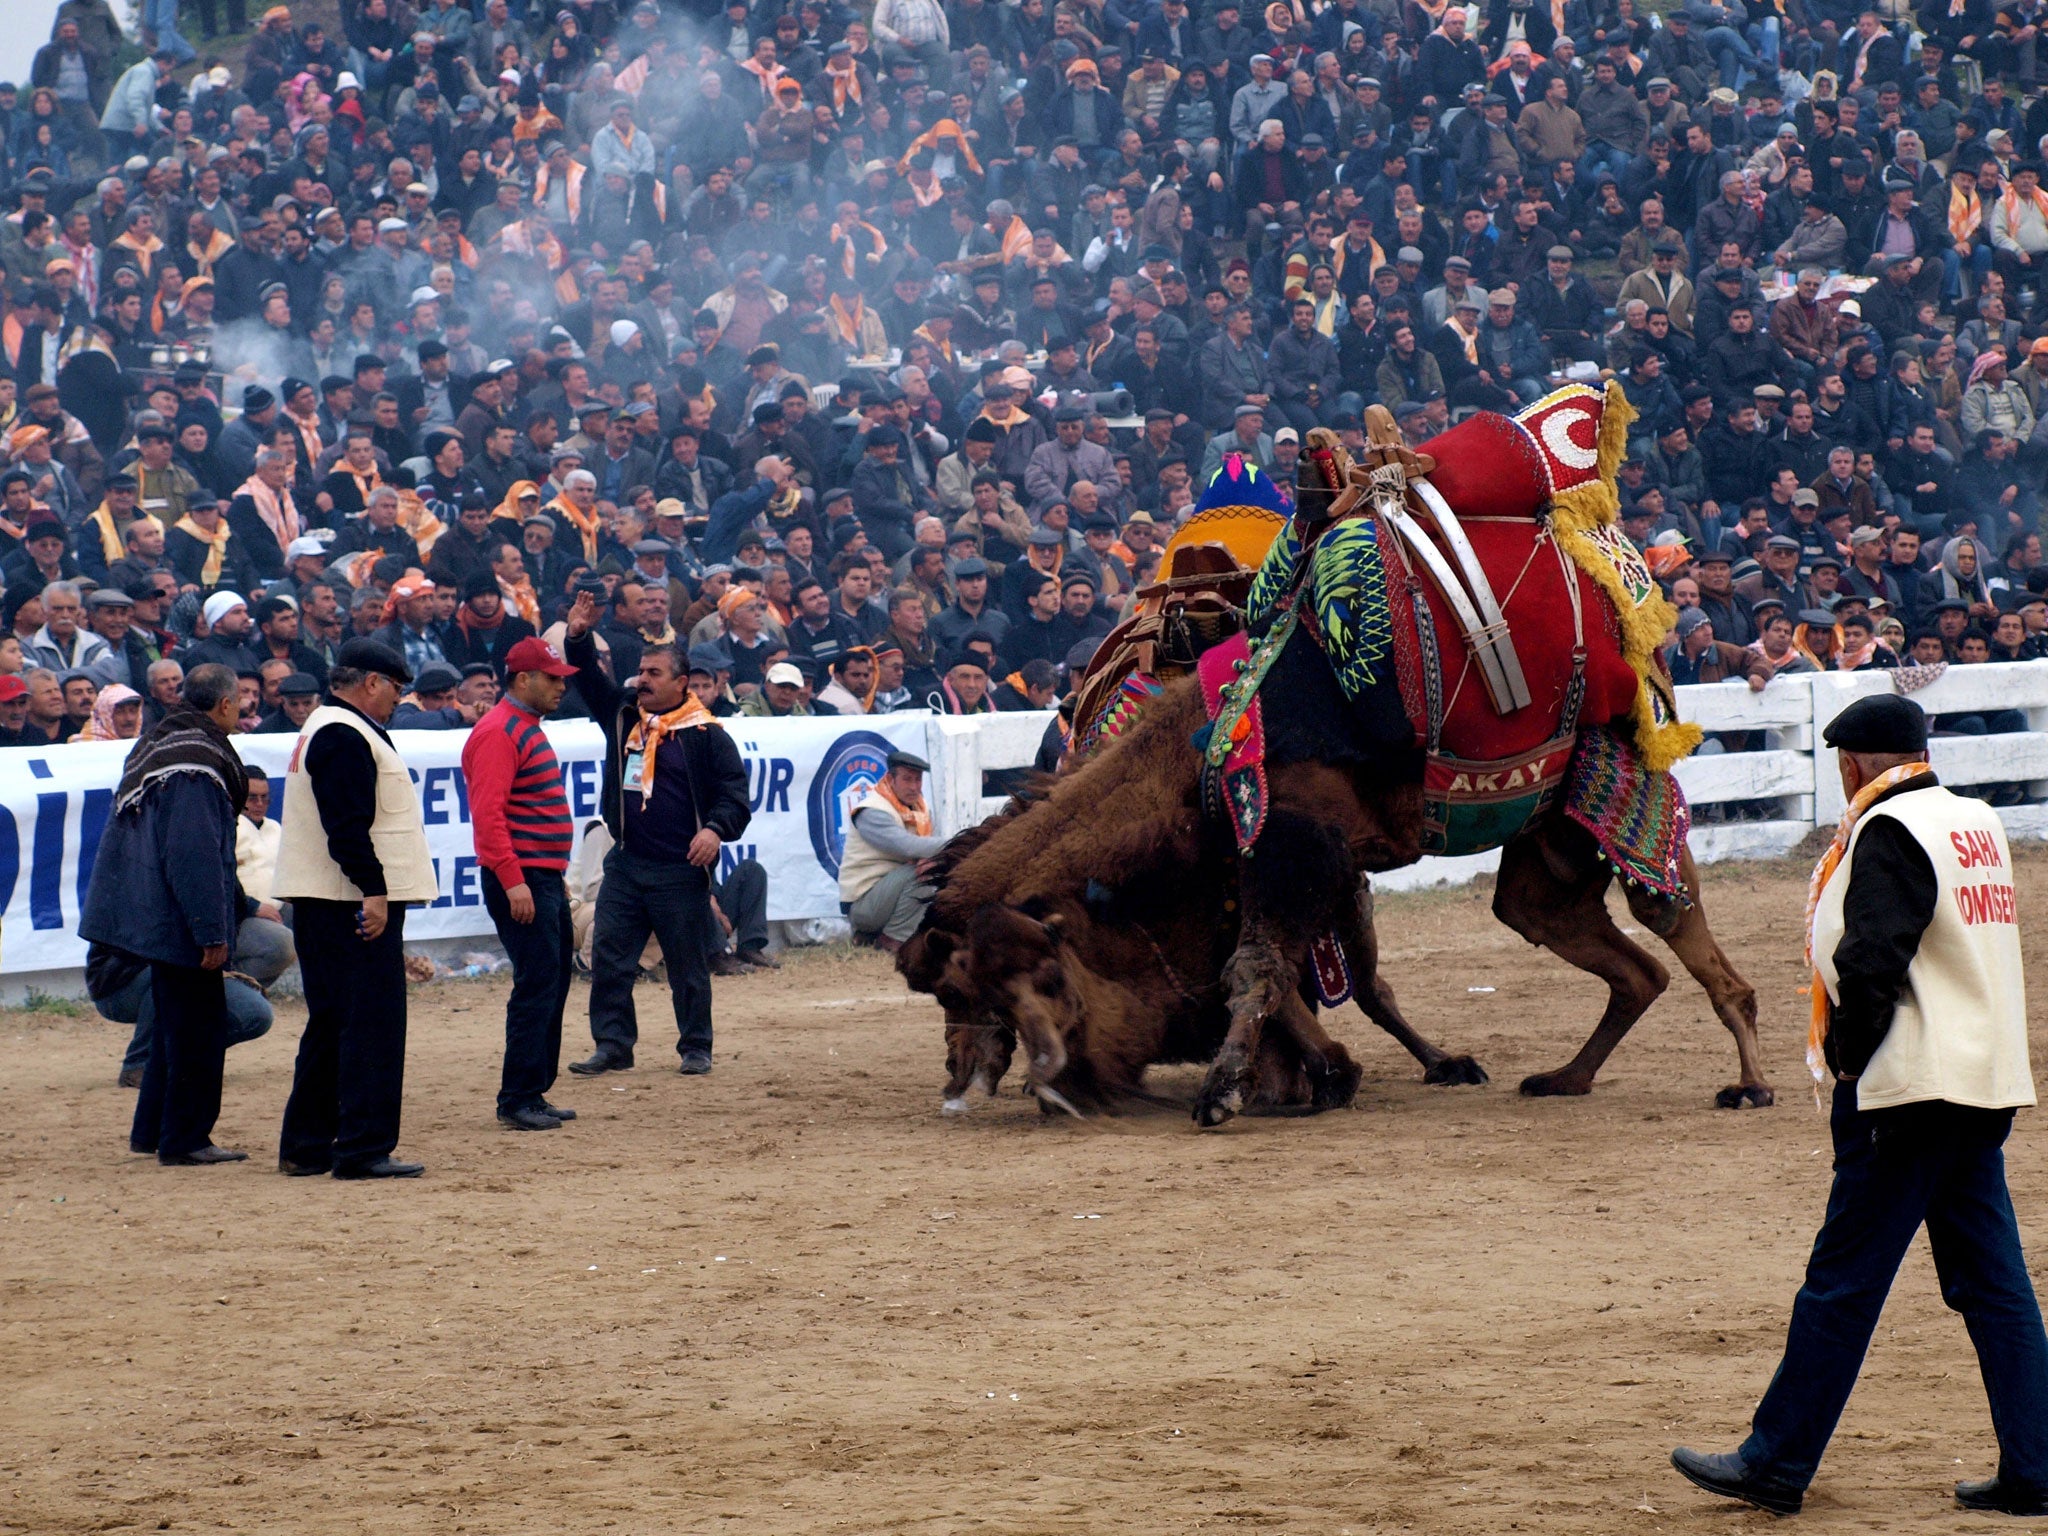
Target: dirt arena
pixel 791 1297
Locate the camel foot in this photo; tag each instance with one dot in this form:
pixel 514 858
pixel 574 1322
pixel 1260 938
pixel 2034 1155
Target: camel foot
pixel 1457 1071
pixel 1548 1085
pixel 1223 1095
pixel 1336 1084
pixel 1745 1096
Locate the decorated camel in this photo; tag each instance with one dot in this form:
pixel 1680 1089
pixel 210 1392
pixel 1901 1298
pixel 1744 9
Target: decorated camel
pixel 1403 678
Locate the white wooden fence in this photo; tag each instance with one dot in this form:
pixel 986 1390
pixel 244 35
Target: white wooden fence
pixel 1793 767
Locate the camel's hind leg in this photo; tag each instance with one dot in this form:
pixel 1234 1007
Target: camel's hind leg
pixel 1375 998
pixel 1297 1052
pixel 1734 999
pixel 1559 902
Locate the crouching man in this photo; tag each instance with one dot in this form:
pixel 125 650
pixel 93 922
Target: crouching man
pixel 881 887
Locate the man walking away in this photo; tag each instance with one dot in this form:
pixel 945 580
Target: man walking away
pixel 523 833
pixel 354 852
pixel 1920 1011
pixel 163 889
pixel 675 791
pixel 890 839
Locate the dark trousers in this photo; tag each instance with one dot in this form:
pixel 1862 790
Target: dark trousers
pixel 671 901
pixel 1895 1169
pixel 188 1049
pixel 351 1069
pixel 539 952
pixel 743 898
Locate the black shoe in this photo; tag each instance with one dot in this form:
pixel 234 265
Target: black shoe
pixel 759 959
pixel 383 1168
pixel 532 1118
pixel 695 1063
pixel 729 965
pixel 292 1170
pixel 557 1111
pixel 1732 1479
pixel 600 1061
pixel 200 1157
pixel 1996 1496
pixel 131 1077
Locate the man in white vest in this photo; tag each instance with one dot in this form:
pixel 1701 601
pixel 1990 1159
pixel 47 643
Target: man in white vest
pixel 887 843
pixel 354 853
pixel 1920 1014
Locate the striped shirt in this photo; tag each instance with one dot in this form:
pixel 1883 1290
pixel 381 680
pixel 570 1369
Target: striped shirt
pixel 517 809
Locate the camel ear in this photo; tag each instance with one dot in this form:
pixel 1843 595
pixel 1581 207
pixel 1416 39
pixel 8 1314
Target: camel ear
pixel 1055 926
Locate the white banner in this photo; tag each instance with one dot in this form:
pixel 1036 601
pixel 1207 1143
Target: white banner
pixel 802 775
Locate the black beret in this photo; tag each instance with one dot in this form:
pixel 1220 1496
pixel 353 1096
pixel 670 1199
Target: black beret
pixel 365 655
pixel 1884 723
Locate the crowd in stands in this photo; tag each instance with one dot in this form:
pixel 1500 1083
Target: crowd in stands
pixel 872 353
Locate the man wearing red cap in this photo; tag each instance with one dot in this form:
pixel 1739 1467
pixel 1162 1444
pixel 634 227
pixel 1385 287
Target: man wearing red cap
pixel 523 832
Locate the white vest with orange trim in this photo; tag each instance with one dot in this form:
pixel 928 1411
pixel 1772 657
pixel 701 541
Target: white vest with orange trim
pixel 305 868
pixel 1959 1033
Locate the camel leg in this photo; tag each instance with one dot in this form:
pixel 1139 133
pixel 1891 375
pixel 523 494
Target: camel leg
pixel 1375 996
pixel 1734 999
pixel 1565 911
pixel 1333 1077
pixel 977 1056
pixel 1285 893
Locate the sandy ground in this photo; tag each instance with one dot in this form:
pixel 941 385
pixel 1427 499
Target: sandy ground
pixel 790 1297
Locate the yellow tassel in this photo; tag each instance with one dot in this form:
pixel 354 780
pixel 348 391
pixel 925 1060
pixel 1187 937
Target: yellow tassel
pixel 1663 741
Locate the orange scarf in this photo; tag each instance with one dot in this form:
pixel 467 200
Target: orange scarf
pixel 1830 861
pixel 842 236
pixel 845 88
pixel 586 524
pixel 217 246
pixel 647 736
pixel 847 321
pixel 944 128
pixel 277 511
pixel 308 428
pixel 521 599
pixel 1965 213
pixel 216 544
pixel 918 821
pixel 2012 208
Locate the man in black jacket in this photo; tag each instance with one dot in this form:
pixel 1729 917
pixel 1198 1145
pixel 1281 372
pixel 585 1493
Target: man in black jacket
pixel 675 791
pixel 1922 1023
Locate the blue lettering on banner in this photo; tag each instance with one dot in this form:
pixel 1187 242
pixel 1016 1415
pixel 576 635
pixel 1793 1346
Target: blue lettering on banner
pixel 92 826
pixel 10 857
pixel 46 868
pixel 732 855
pixel 768 781
pixel 579 782
pixel 433 799
pixel 466 889
pixel 851 767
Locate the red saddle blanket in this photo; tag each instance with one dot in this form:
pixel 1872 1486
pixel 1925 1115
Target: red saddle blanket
pixel 1490 472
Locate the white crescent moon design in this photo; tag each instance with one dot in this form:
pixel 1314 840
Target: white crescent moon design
pixel 1557 438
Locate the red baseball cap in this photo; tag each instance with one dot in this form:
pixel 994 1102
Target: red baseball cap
pixel 536 655
pixel 12 687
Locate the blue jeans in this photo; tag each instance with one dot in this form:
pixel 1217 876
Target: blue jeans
pixel 1602 157
pixel 263 949
pixel 1895 1169
pixel 1736 60
pixel 540 952
pixel 1763 36
pixel 161 17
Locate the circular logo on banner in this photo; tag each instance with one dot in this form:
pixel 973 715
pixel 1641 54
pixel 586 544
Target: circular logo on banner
pixel 852 766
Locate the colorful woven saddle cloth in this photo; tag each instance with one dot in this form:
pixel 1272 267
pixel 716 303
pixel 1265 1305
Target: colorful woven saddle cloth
pixel 1636 814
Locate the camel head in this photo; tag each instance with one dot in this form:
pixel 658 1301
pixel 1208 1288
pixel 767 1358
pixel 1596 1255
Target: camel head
pixel 1021 967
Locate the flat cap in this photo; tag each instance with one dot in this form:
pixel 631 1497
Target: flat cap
pixel 366 655
pixel 908 760
pixel 1882 723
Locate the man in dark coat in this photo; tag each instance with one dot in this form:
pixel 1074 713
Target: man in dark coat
pixel 163 889
pixel 1921 1019
pixel 675 791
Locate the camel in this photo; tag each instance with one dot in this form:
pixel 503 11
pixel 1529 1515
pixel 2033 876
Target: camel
pixel 1105 956
pixel 1345 800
